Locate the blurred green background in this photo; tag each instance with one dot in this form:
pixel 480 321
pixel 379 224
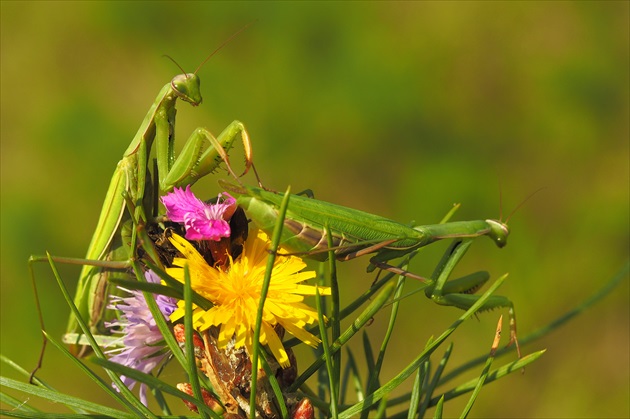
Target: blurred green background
pixel 399 109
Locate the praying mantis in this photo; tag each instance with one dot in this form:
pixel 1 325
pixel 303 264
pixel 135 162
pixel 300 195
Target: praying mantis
pixel 133 194
pixel 130 184
pixel 356 233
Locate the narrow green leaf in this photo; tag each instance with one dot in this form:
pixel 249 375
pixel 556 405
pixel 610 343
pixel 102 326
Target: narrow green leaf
pixel 333 385
pixel 132 401
pixel 381 411
pixel 284 411
pixel 177 286
pixel 439 409
pixel 450 214
pixel 363 318
pixel 275 240
pixel 416 394
pixel 39 415
pixel 26 415
pixel 57 397
pixel 373 381
pixel 159 398
pixel 335 326
pixel 160 322
pixel 484 373
pixel 91 374
pixel 369 366
pixel 423 356
pixel 350 308
pixel 189 346
pixel 351 374
pixel 492 376
pixel 154 382
pixel 18 405
pixel 436 379
pixel 23 372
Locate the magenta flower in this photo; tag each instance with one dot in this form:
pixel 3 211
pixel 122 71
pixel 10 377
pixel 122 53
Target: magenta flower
pixel 202 221
pixel 142 342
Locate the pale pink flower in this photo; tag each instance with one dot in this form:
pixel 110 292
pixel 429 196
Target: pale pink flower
pixel 143 346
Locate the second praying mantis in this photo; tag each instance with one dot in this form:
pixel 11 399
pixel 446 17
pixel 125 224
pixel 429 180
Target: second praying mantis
pixel 356 233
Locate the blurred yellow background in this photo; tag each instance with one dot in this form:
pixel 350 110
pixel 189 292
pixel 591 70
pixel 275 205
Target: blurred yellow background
pixel 399 109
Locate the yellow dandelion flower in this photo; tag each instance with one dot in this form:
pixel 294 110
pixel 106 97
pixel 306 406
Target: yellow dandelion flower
pixel 235 294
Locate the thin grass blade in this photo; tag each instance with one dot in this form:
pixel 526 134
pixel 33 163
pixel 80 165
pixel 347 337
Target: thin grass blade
pixel 423 356
pixel 18 405
pixel 373 380
pixel 363 318
pixel 160 322
pixel 333 385
pixel 492 376
pixel 436 379
pixel 154 382
pixel 439 409
pixel 335 326
pixel 275 241
pixel 57 397
pixel 189 346
pixel 484 373
pixel 132 401
pixel 87 371
pixel 351 374
pixel 275 386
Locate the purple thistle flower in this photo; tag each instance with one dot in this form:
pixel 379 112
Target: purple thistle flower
pixel 141 339
pixel 202 221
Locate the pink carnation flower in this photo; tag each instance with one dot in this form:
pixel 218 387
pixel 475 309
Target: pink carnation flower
pixel 202 221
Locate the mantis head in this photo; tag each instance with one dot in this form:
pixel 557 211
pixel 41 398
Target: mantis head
pixel 498 232
pixel 186 87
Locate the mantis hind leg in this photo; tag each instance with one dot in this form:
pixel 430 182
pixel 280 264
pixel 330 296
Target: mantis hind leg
pixel 33 259
pixel 398 271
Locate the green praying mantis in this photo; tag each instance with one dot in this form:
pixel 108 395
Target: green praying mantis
pixel 131 184
pixel 133 193
pixel 355 233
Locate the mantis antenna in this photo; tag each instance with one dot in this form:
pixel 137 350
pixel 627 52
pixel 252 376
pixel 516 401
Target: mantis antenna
pixel 219 48
pixel 523 203
pixel 227 41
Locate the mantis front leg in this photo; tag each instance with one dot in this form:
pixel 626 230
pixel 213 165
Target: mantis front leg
pixel 459 292
pixel 193 162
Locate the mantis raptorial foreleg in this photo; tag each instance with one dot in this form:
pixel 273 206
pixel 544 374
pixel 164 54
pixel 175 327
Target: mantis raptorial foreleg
pixel 459 292
pixel 188 168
